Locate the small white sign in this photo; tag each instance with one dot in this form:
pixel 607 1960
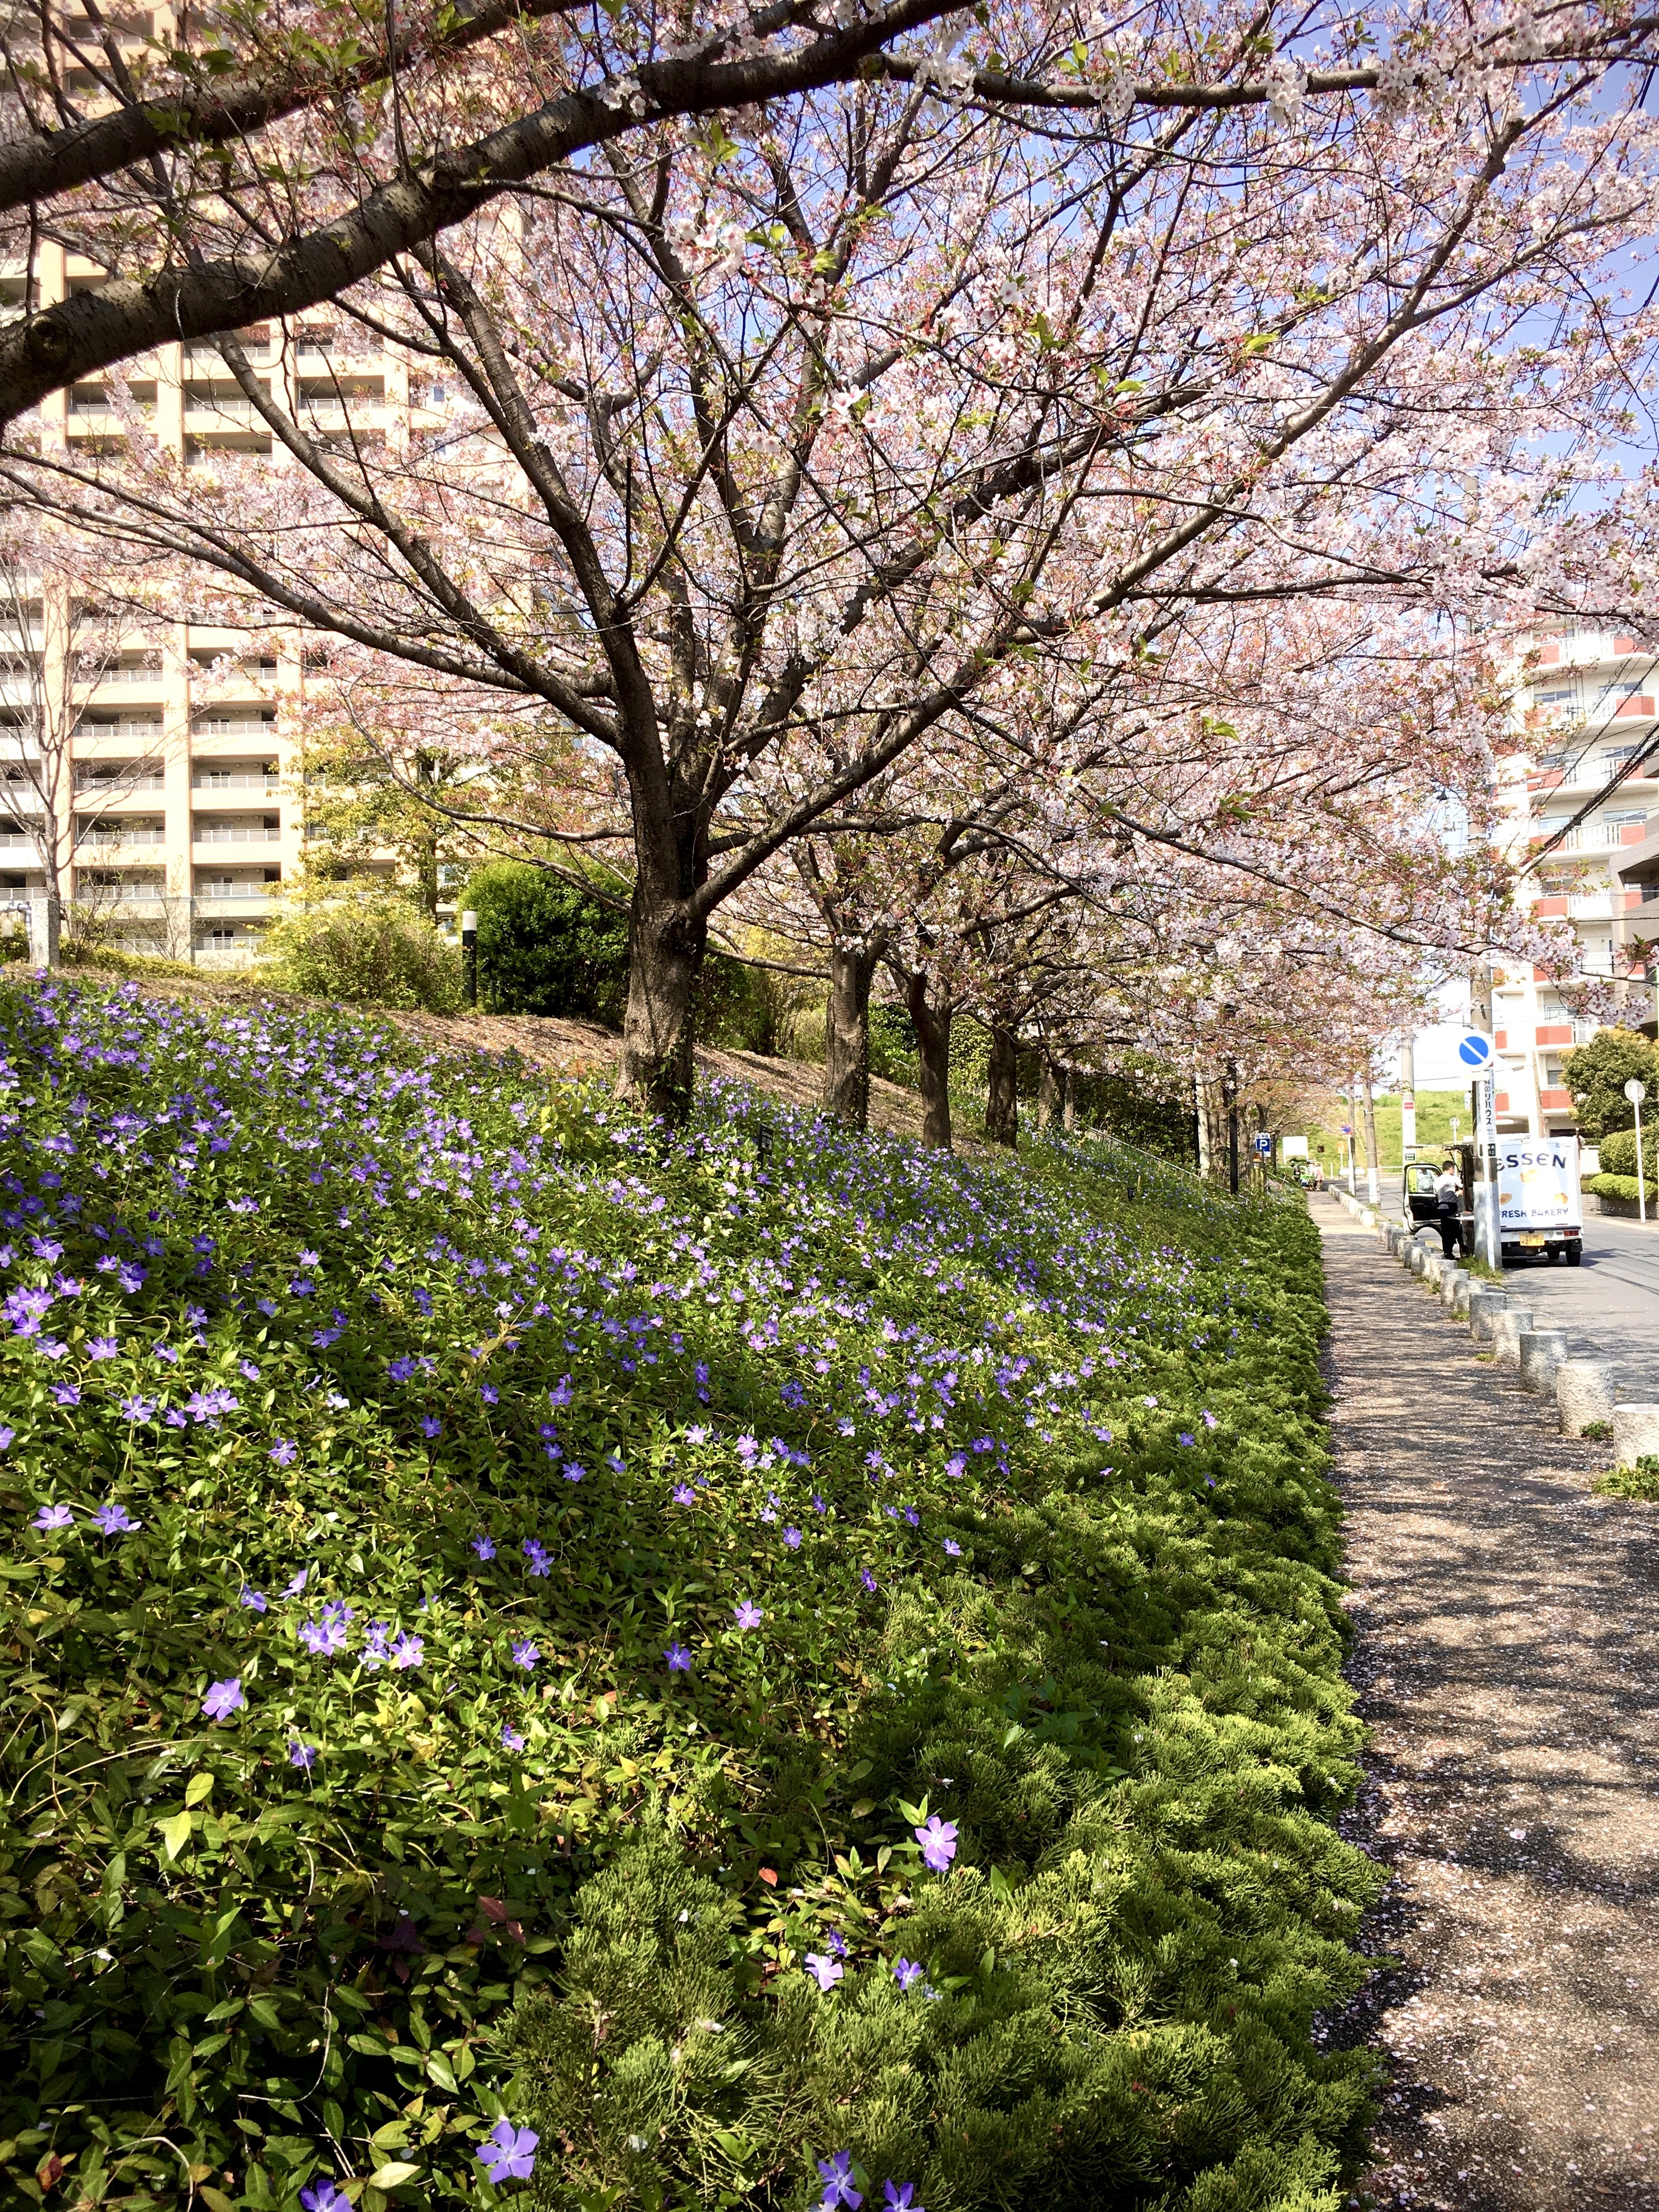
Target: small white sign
pixel 1294 1148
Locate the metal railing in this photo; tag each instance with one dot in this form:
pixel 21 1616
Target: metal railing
pixel 215 780
pixel 234 833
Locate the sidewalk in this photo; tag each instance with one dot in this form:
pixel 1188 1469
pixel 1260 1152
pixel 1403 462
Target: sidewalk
pixel 1507 1633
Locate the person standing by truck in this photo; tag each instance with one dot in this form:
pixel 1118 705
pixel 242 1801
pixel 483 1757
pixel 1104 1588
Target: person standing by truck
pixel 1448 1209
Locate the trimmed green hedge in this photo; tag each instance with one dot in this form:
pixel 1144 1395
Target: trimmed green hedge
pixel 1621 1186
pixel 735 1657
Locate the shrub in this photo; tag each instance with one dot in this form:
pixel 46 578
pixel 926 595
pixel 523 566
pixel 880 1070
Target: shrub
pixel 493 1595
pixel 1618 1151
pixel 546 947
pixel 1639 1483
pixel 1620 1186
pixel 366 953
pixel 1595 1073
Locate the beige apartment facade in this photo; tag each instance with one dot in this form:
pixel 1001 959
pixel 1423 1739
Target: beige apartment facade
pixel 1584 732
pixel 177 792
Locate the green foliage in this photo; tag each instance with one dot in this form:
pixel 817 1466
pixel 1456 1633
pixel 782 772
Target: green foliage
pixel 1145 1103
pixel 546 946
pixel 1595 1074
pixel 1621 1186
pixel 14 937
pixel 893 1044
pixel 1639 1483
pixel 367 952
pixel 1020 1463
pixel 110 960
pixel 1618 1151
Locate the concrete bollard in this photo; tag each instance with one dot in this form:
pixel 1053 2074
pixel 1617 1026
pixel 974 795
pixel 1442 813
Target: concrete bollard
pixel 1451 1276
pixel 1635 1433
pixel 1506 1328
pixel 1463 1289
pixel 1584 1394
pixel 1433 1263
pixel 1542 1350
pixel 1416 1259
pixel 1485 1302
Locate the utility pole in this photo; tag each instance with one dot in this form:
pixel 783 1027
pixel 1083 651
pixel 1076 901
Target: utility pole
pixel 1407 1098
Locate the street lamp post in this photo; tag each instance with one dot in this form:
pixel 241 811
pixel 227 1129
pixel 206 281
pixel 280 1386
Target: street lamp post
pixel 1636 1091
pixel 470 954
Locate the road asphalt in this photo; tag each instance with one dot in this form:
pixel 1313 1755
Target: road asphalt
pixel 1608 1307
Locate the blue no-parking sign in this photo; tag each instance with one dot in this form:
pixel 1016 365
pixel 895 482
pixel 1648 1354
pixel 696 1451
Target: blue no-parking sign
pixel 1474 1050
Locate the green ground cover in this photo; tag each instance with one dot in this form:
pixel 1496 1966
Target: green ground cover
pixel 785 1668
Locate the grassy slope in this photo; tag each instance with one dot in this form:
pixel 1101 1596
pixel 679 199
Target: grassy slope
pixel 1020 1464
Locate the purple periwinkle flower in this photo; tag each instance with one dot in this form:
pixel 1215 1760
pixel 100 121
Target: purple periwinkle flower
pixel 792 1537
pixel 1183 1438
pixel 679 1658
pixel 294 1589
pixel 102 1347
pixel 525 1655
pixel 906 1972
pixel 284 1451
pixel 573 1471
pixel 407 1650
pixel 53 1517
pixel 251 1600
pixel 537 1554
pixel 324 1637
pixel 938 1842
pixel 952 1549
pixel 899 2196
pixel 509 2154
pixel 6 1435
pixel 302 1755
pixel 748 1614
pixel 137 1409
pixel 825 1970
pixel 1209 1419
pixel 484 1547
pixel 511 1739
pixel 867 1579
pixel 224 1698
pixel 431 1425
pixel 114 1520
pixel 324 2197
pixel 838 2189
pixel 490 1393
pixel 683 1494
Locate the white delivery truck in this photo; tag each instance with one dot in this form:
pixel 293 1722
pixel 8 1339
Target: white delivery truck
pixel 1540 1214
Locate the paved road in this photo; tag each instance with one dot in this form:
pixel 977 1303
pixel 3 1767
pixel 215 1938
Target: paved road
pixel 1609 1307
pixel 1507 1638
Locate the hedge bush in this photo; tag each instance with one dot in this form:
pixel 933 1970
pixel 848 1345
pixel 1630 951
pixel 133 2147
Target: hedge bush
pixel 546 946
pixel 754 1660
pixel 1617 1153
pixel 1620 1186
pixel 366 952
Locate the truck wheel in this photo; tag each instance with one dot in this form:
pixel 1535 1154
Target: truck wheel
pixel 1575 1255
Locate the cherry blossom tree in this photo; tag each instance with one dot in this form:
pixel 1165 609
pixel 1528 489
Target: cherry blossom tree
pixel 788 437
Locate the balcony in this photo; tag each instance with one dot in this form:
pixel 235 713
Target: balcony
pixel 114 789
pixel 147 727
pixel 139 837
pixel 207 787
pixel 128 676
pixel 16 841
pixel 237 832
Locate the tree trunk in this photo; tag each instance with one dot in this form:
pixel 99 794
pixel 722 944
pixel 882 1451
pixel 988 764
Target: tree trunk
pixel 1002 1087
pixel 847 1037
pixel 1047 1093
pixel 934 1054
pixel 664 965
pixel 1069 1112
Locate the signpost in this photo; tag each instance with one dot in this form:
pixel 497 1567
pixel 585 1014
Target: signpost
pixel 1475 1051
pixel 1636 1091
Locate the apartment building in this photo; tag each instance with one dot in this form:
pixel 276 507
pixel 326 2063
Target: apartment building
pixel 1585 760
pixel 171 795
